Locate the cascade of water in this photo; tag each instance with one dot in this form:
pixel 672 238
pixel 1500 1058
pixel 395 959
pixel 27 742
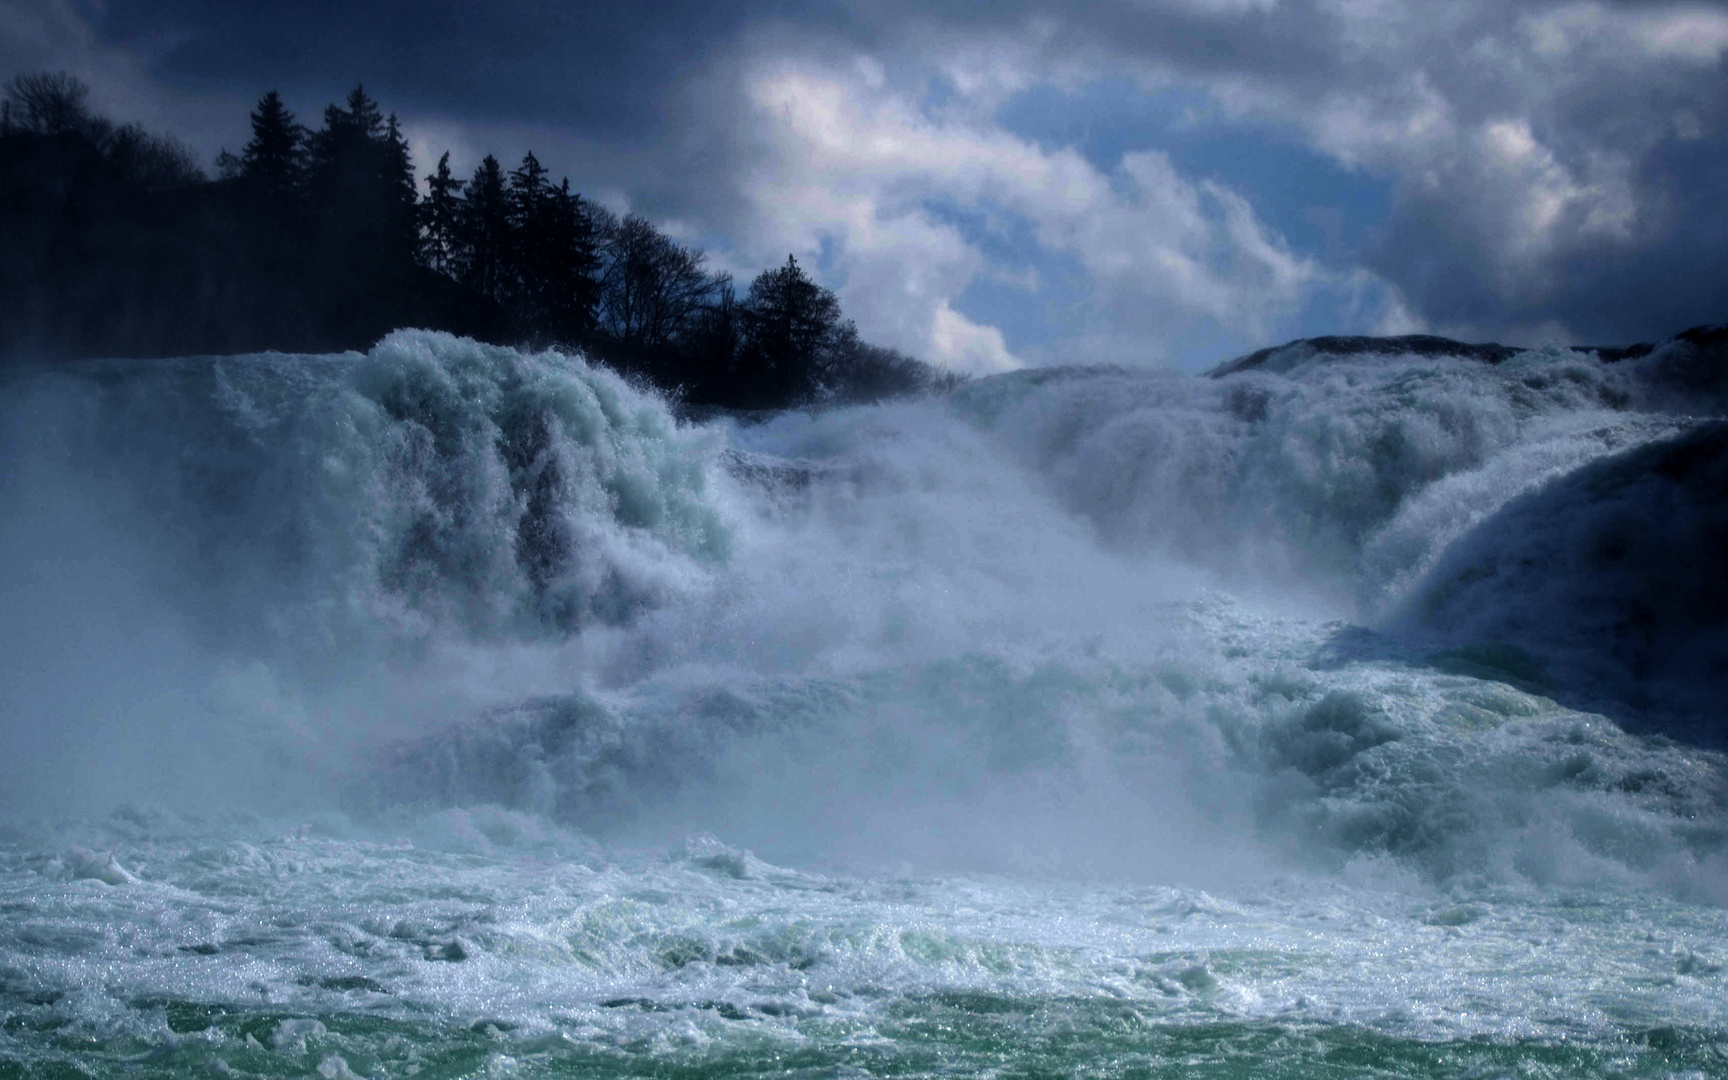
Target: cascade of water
pixel 470 574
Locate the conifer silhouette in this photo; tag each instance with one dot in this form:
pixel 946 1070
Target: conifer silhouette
pixel 115 245
pixel 274 162
pixel 791 328
pixel 485 231
pixel 440 220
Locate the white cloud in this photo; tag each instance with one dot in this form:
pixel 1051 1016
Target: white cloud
pixel 1684 32
pixel 855 162
pixel 1541 155
pixel 53 35
pixel 1520 138
pixel 1531 146
pixel 960 344
pixel 1395 316
pixel 1548 198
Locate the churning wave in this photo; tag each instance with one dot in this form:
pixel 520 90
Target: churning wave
pixel 1615 576
pixel 1379 601
pixel 449 709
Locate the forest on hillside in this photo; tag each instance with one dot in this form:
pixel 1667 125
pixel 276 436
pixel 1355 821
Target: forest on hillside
pixel 118 244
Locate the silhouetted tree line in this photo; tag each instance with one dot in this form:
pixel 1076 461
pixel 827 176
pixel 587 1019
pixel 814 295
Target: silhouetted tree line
pixel 113 242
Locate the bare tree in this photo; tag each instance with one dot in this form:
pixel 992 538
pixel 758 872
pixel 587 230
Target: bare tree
pixel 55 103
pixel 651 288
pixel 153 162
pixel 50 103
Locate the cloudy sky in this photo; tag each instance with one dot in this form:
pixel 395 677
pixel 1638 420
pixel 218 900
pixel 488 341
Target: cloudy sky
pixel 1130 181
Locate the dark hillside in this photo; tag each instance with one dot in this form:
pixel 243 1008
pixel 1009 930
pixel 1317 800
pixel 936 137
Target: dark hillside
pixel 320 240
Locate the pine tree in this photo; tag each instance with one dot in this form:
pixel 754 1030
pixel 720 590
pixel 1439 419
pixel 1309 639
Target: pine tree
pixel 274 162
pixel 365 113
pixel 485 232
pixel 346 157
pixel 360 186
pixel 396 190
pixel 529 188
pixel 441 220
pixel 792 328
pixel 530 254
pixel 552 254
pixel 572 291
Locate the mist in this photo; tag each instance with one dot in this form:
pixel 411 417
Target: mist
pixel 1004 628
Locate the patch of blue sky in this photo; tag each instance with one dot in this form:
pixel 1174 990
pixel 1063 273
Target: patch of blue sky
pixel 1338 305
pixel 827 251
pixel 1320 208
pixel 1003 237
pixel 1030 319
pixel 1039 298
pixel 1031 294
pixel 1205 343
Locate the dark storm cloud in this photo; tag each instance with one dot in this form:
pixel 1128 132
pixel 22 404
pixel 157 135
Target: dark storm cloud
pixel 1558 167
pixel 1602 290
pixel 1555 165
pixel 600 69
pixel 1626 108
pixel 1555 168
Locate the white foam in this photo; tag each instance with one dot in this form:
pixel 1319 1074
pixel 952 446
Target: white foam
pixel 1045 689
pixel 83 864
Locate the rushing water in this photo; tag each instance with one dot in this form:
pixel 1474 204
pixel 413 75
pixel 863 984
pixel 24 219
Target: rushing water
pixel 455 711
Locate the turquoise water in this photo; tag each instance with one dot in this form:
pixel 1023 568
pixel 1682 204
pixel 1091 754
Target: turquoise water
pixel 944 1037
pixel 306 953
pixel 455 711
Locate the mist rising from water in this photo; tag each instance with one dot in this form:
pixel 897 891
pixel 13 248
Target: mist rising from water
pixel 1073 622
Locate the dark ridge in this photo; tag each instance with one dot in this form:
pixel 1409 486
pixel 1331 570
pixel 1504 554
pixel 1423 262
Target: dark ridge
pixel 1710 337
pixel 1333 345
pixel 1614 578
pixel 1610 354
pixel 312 241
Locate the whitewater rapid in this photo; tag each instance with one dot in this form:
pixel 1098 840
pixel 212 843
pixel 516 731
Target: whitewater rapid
pixel 458 700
